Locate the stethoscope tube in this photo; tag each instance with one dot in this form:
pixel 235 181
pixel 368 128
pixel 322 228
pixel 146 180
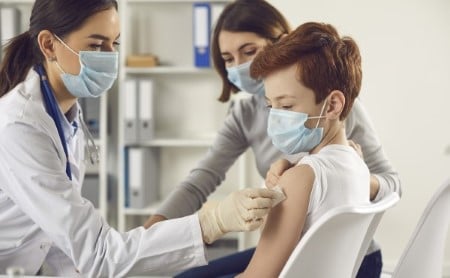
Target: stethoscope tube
pixel 52 109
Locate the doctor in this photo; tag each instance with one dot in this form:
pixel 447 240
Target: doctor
pixel 47 227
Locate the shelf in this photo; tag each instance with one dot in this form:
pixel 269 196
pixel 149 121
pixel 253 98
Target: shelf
pixel 142 211
pixel 182 140
pixel 172 142
pixel 17 1
pixel 168 70
pixel 176 1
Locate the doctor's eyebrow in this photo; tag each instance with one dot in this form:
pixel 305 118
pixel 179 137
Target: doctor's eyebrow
pixel 101 37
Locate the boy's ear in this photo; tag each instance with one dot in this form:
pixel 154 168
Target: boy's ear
pixel 336 102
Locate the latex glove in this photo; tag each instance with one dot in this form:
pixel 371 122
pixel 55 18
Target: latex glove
pixel 275 171
pixel 240 211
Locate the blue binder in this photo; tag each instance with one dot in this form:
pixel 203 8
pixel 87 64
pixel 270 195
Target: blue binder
pixel 202 28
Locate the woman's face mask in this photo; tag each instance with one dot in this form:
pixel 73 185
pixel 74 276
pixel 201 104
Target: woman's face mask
pixel 240 76
pixel 97 74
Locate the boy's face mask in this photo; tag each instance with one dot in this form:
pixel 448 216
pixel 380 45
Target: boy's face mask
pixel 240 76
pixel 97 74
pixel 288 131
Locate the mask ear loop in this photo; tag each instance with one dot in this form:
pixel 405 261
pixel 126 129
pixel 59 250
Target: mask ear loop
pixel 59 67
pixel 321 113
pixel 69 48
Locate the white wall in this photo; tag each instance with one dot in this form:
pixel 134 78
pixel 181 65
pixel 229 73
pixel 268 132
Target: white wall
pixel 405 47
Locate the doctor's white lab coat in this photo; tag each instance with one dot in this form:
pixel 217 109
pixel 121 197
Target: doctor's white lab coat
pixel 44 220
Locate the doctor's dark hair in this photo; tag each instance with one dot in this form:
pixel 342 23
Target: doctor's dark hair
pixel 325 61
pixel 60 17
pixel 255 16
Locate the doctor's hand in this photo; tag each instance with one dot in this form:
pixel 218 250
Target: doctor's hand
pixel 275 171
pixel 240 211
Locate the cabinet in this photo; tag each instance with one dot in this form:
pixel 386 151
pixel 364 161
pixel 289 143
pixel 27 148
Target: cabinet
pixel 185 111
pixel 94 110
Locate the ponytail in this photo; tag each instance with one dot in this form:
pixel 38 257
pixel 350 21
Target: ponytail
pixel 18 59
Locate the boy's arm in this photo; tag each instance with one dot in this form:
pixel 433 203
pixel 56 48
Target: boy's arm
pixel 284 224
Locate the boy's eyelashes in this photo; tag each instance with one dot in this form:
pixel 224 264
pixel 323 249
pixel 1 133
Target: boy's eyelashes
pixel 285 107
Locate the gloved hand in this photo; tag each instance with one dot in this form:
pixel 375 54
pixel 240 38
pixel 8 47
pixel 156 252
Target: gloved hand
pixel 242 210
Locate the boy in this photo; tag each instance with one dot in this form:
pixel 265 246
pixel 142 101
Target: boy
pixel 311 77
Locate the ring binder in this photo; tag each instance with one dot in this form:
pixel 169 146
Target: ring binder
pixel 202 27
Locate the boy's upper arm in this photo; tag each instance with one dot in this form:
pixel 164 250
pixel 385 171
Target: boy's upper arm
pixel 284 224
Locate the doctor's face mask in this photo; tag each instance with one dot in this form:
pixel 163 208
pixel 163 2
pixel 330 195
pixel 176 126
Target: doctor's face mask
pixel 97 74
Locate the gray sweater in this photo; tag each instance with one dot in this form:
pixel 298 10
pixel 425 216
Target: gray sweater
pixel 246 126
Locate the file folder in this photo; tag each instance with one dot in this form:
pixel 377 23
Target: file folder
pixel 130 111
pixel 202 28
pixel 143 177
pixel 146 121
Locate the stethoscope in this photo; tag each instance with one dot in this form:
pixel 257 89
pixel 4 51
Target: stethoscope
pixel 53 109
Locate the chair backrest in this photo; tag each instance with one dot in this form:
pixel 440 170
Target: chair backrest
pixel 369 235
pixel 332 245
pixel 424 253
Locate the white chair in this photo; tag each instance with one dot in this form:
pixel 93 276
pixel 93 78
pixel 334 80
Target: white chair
pixel 424 253
pixel 368 238
pixel 333 245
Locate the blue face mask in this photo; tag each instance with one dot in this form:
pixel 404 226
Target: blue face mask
pixel 240 77
pixel 288 131
pixel 97 74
